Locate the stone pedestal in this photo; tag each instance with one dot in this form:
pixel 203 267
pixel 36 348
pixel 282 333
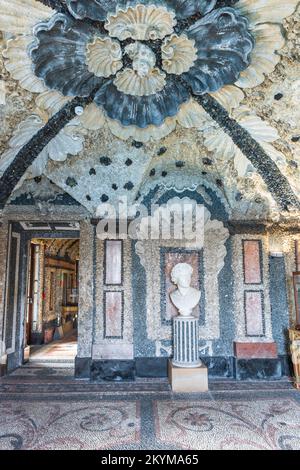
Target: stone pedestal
pixel 185 370
pixel 185 342
pixel 188 380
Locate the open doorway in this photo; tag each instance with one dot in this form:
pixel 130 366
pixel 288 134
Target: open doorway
pixel 52 300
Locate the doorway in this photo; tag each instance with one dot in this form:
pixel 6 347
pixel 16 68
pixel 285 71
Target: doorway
pixel 52 300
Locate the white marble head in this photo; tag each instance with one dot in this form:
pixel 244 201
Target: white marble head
pixel 143 58
pixel 181 274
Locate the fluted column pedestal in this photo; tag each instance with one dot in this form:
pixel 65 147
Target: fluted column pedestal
pixel 186 371
pixel 185 342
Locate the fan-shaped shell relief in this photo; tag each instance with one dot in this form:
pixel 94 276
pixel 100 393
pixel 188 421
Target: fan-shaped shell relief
pixel 141 23
pixel 131 83
pixel 179 54
pixel 129 55
pixel 104 57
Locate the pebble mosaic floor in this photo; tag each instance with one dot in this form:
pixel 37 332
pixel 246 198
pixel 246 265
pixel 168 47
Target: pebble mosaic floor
pixel 43 407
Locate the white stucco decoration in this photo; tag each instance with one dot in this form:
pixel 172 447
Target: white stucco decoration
pixel 2 92
pixel 269 39
pixel 266 11
pixel 92 118
pixel 230 97
pixel 104 57
pixel 220 143
pixel 19 64
pixel 65 143
pixel 178 54
pixel 214 252
pixel 139 134
pixel 191 114
pixel 19 16
pixel 51 101
pixel 141 23
pixel 263 16
pixel 131 83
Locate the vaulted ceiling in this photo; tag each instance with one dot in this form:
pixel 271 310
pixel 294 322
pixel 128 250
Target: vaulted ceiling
pixel 240 138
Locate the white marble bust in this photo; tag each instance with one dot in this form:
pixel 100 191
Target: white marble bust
pixel 185 298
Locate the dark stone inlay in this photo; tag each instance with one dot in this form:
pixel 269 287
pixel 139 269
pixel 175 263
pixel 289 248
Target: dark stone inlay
pixel 278 96
pixel 82 367
pixel 151 366
pixel 161 151
pixel 137 145
pixel 207 161
pixel 112 370
pixel 92 171
pixel 219 183
pixel 164 174
pixel 71 182
pixel 278 276
pixel 277 183
pixel 258 369
pixel 286 365
pixel 88 197
pixel 106 161
pixel 219 366
pixel 246 227
pixel 37 179
pixel 152 172
pixel 129 186
pixel 128 162
pixel 180 164
pixel 114 186
pixel 295 138
pixel 104 198
pixel 57 5
pixel 293 164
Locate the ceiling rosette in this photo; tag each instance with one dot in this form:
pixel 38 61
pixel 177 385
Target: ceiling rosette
pixel 142 60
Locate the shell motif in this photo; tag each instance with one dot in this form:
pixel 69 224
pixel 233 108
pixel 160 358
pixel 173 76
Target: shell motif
pixel 19 16
pixel 141 23
pixel 19 65
pixel 179 54
pixel 266 11
pixel 268 40
pixel 150 133
pixel 104 57
pixel 131 83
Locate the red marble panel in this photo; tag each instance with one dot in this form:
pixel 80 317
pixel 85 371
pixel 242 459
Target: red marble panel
pixel 113 314
pixel 113 262
pixel 254 313
pixel 252 270
pixel 171 259
pixel 255 350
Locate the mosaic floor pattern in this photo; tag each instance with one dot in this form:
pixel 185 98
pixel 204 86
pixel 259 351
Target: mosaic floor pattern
pixel 61 425
pixel 42 406
pixel 53 411
pixel 259 424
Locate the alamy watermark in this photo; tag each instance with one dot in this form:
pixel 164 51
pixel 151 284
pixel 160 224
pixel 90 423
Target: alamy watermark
pixel 177 220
